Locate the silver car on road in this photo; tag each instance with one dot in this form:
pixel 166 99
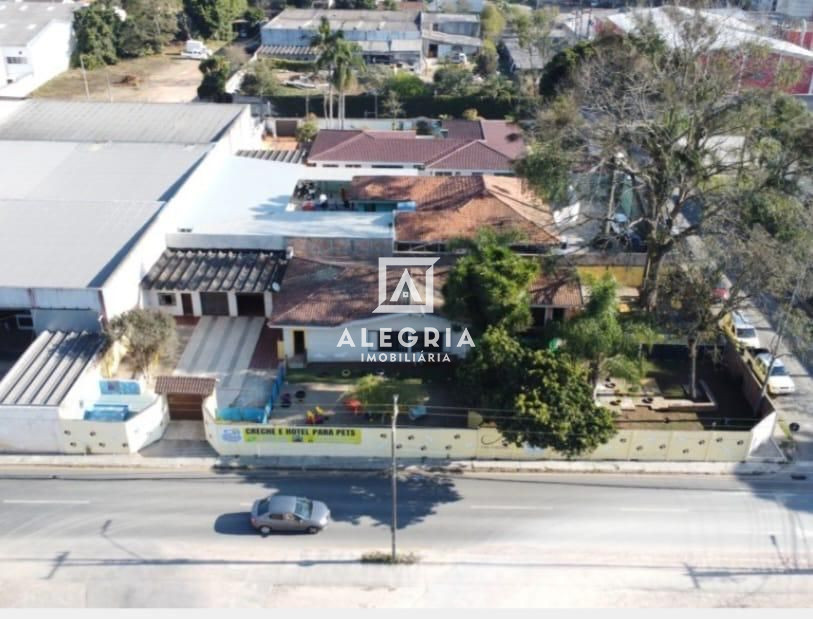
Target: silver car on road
pixel 280 512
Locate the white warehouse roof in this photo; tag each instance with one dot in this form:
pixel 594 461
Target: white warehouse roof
pixel 89 121
pixel 94 172
pixel 63 244
pixel 21 22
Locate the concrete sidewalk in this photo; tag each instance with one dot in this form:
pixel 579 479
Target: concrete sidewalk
pixel 372 464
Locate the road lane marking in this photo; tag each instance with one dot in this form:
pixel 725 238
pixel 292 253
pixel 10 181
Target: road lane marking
pixel 653 509
pixel 511 507
pixel 44 502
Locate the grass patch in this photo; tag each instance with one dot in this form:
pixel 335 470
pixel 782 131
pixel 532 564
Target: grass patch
pixel 385 558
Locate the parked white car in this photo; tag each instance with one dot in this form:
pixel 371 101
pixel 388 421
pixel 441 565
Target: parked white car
pixel 195 50
pixel 780 381
pixel 737 327
pixel 458 58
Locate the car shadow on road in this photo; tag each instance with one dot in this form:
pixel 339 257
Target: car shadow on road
pixel 351 496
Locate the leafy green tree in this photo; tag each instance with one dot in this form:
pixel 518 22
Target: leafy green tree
pixel 405 85
pixel 534 397
pixel 455 80
pixel 471 114
pixel 261 79
pixel 560 69
pixel 367 5
pixel 376 393
pixel 212 19
pixel 486 60
pixel 492 22
pixel 659 118
pixel 150 25
pixel 488 286
pixel 96 27
pixel 598 335
pixel 389 5
pixel 392 106
pixel 147 335
pixel 348 62
pixel 215 75
pixel 307 131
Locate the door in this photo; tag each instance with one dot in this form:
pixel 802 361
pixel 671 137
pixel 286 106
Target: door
pixel 250 304
pixel 186 304
pixel 214 303
pixel 185 406
pixel 299 342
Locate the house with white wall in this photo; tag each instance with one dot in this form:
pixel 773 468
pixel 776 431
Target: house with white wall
pixel 325 311
pixel 36 43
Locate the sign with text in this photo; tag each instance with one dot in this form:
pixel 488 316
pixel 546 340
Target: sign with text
pixel 286 434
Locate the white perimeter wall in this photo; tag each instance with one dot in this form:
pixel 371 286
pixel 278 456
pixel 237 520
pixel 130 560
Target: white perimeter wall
pixel 29 429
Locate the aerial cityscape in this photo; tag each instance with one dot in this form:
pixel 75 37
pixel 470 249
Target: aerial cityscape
pixel 394 304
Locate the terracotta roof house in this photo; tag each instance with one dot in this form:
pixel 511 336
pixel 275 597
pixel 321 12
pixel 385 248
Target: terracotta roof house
pixel 446 208
pixel 319 300
pixel 460 147
pixel 555 297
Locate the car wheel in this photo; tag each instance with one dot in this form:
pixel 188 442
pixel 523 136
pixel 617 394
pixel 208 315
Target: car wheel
pixel 265 530
pixel 313 530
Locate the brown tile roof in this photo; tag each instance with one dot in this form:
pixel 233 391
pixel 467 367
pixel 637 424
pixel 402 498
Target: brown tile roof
pixel 457 206
pixel 332 293
pixel 188 385
pixel 428 191
pixel 471 145
pixel 556 290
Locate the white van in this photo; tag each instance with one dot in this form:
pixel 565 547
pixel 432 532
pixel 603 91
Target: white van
pixel 195 50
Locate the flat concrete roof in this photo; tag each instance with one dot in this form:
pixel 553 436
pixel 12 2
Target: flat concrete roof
pixel 247 197
pixel 345 20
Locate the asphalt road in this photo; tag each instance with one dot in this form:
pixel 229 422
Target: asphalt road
pixel 140 539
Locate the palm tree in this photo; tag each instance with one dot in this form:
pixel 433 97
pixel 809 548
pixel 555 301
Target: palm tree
pixel 326 42
pixel 347 61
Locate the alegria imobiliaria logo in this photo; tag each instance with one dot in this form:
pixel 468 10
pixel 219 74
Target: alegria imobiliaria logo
pixel 399 293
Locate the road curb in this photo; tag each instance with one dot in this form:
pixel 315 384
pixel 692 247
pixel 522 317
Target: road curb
pixel 363 464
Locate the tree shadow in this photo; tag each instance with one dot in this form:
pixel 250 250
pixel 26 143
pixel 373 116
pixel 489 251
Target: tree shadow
pixel 351 496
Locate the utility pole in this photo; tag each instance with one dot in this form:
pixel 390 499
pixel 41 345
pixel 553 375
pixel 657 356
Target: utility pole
pixel 84 76
pixel 394 525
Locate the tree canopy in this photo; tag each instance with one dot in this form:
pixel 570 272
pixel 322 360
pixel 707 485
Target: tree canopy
pixel 661 119
pixel 488 286
pixel 534 397
pixel 96 28
pixel 212 19
pixel 146 334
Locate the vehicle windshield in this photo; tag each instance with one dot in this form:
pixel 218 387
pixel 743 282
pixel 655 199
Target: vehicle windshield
pixel 262 508
pixel 746 332
pixel 779 370
pixel 303 508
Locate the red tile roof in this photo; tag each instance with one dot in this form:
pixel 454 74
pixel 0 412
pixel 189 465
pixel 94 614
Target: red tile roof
pixel 471 145
pixel 332 293
pixel 556 290
pixel 457 206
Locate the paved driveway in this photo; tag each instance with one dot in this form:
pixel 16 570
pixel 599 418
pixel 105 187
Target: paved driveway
pixel 221 347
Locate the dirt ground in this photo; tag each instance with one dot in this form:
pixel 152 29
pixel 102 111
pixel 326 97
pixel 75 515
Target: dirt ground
pixel 164 78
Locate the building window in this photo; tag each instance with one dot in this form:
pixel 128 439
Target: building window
pixel 16 60
pixel 166 299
